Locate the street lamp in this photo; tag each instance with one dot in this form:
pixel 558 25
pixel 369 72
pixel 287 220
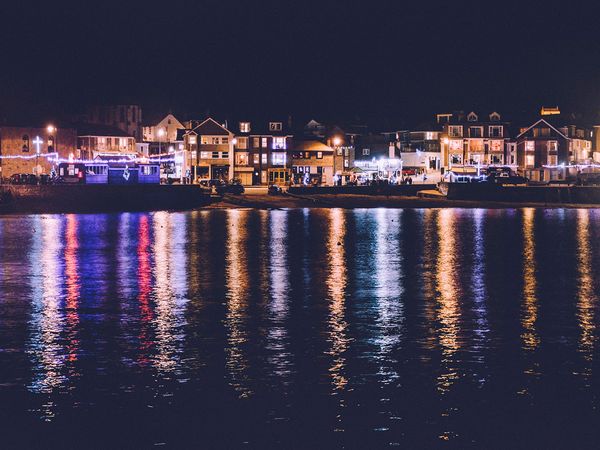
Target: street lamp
pixel 160 133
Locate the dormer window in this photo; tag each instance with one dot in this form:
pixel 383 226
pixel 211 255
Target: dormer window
pixel 472 117
pixel 244 127
pixel 274 126
pixel 494 117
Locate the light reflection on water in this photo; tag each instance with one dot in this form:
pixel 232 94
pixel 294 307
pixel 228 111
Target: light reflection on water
pixel 401 326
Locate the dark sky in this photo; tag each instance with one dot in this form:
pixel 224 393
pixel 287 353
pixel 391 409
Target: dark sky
pixel 345 59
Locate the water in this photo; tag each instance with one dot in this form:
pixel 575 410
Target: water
pixel 301 329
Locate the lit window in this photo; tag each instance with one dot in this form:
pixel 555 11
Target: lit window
pixel 244 127
pixel 319 155
pixel 552 160
pixel 455 131
pixel 192 140
pixel 346 163
pixel 279 143
pixel 256 158
pixel 552 146
pixel 264 158
pixel 241 159
pixel 242 143
pixel 264 142
pixel 255 142
pixel 278 158
pixel 529 146
pixel 224 140
pixel 529 160
pixel 204 155
pixel 215 140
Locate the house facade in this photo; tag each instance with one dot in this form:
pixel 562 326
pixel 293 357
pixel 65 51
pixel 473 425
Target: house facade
pixel 163 135
pixel 262 153
pixel 31 150
pixel 312 162
pixel 208 152
pixel 546 148
pixel 94 140
pixel 470 140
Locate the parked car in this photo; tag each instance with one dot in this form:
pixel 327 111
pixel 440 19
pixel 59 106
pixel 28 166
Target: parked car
pixel 233 187
pixel 273 189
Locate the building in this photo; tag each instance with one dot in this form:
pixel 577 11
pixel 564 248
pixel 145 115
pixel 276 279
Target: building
pixel 94 140
pixel 420 149
pixel 34 150
pixel 312 162
pixel 468 140
pixel 163 131
pixel 341 138
pixel 376 155
pixel 127 118
pixel 546 148
pixel 208 151
pixel 261 153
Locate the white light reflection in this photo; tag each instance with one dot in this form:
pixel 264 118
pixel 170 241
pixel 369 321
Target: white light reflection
pixel 388 275
pixel 279 290
pixel 47 321
pixel 237 278
pixel 529 335
pixel 479 286
pixel 170 275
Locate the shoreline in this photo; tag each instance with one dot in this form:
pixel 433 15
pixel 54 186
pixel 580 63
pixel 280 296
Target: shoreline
pixel 354 201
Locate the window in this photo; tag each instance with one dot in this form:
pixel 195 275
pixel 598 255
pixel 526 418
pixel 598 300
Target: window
pixel 496 131
pixel 205 155
pixel 244 127
pixel 320 170
pixel 278 158
pixel 215 155
pixel 279 143
pixel 255 142
pixel 529 160
pixel 264 158
pixel 241 159
pixel 215 140
pixel 496 146
pixel 306 169
pixel 472 117
pixel 455 131
pixel 541 132
pixel 346 163
pixel 225 155
pixel 149 170
pixel 552 146
pixel 263 142
pixel 25 147
pixel 50 144
pixel 242 143
pixel 319 155
pixel 274 126
pixel 529 146
pixel 339 151
pixel 552 160
pixel 256 158
pixel 475 132
pixel 225 140
pixel 192 140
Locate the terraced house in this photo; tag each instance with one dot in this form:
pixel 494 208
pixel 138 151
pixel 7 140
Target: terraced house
pixel 209 150
pixel 471 140
pixel 262 153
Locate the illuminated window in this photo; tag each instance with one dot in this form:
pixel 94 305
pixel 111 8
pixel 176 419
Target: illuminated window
pixel 278 158
pixel 205 155
pixel 256 158
pixel 244 127
pixel 215 140
pixel 224 140
pixel 529 160
pixel 346 163
pixel 279 143
pixel 264 158
pixel 496 146
pixel 552 160
pixel 320 155
pixel 366 151
pixel 529 146
pixel 263 142
pixel 192 140
pixel 255 142
pixel 552 146
pixel 242 143
pixel 241 158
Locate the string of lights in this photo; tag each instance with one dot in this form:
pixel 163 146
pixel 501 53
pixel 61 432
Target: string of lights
pixel 54 158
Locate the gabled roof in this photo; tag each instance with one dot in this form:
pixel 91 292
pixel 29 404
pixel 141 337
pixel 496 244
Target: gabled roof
pixel 547 123
pixel 211 128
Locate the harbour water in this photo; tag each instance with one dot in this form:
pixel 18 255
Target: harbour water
pixel 302 328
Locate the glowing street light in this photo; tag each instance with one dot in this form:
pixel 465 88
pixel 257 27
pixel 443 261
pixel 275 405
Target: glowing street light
pixel 337 141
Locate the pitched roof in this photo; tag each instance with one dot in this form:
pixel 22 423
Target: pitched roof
pixel 547 123
pixel 92 129
pixel 211 128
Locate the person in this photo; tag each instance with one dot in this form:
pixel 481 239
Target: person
pixel 409 181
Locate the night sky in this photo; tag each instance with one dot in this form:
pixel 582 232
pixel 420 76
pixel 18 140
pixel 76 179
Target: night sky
pixel 364 59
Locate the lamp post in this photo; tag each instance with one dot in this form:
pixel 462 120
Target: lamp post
pixel 337 141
